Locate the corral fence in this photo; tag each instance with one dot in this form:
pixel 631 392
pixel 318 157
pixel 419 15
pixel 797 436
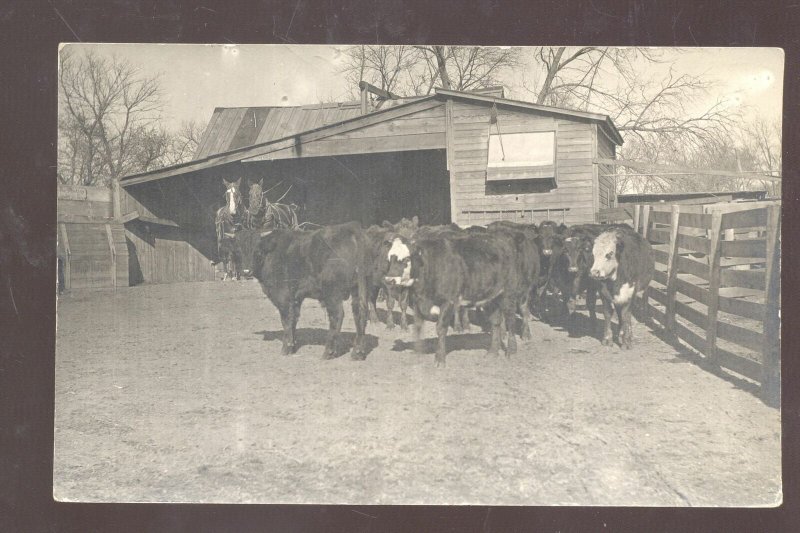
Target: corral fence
pixel 92 250
pixel 717 281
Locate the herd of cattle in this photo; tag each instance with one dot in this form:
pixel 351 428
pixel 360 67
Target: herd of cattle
pixel 502 272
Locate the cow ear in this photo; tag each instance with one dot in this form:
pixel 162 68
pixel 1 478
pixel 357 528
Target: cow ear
pixel 226 182
pixel 261 182
pixel 265 233
pixel 387 224
pixel 238 181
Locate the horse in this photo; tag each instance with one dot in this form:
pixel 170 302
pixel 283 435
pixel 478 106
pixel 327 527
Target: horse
pixel 265 215
pixel 228 220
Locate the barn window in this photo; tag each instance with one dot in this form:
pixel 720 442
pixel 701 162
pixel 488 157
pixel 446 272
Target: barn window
pixel 521 156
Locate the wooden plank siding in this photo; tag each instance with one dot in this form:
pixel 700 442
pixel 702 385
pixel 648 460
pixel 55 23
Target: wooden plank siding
pixel 606 149
pixel 162 254
pixel 571 201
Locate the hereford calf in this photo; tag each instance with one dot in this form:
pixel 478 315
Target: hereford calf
pixel 623 265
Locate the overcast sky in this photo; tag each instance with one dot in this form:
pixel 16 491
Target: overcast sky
pixel 198 78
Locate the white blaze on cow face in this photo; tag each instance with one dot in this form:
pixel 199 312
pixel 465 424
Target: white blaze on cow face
pixel 399 252
pixel 624 295
pixel 605 256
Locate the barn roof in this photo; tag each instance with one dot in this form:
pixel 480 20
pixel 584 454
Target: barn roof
pixel 603 120
pixel 236 127
pixel 240 133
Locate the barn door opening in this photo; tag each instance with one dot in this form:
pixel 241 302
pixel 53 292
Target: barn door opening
pixel 416 184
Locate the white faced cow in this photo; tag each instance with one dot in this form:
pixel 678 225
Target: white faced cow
pixel 623 265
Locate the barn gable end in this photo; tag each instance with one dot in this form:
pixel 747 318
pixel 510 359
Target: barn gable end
pixel 568 196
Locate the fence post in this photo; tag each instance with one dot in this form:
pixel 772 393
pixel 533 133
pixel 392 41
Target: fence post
pixel 113 255
pixel 771 362
pixel 636 210
pixel 645 219
pixel 672 268
pixel 67 258
pixel 714 275
pixel 116 203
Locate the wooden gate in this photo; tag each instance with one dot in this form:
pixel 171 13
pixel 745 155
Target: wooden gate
pixel 717 282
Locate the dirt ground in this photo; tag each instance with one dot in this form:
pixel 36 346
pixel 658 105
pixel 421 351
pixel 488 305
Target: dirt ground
pixel 178 393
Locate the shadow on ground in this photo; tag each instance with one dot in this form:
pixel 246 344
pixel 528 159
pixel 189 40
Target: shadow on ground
pixel 319 336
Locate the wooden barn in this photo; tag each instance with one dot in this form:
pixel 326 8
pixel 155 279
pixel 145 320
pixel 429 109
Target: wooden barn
pixel 464 157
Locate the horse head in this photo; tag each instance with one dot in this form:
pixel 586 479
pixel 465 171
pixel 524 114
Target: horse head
pixel 233 198
pixel 255 201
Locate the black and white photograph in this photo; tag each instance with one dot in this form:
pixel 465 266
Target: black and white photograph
pixel 418 274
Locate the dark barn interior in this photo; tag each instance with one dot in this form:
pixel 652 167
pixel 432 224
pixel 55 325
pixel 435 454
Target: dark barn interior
pixel 367 188
pixel 180 211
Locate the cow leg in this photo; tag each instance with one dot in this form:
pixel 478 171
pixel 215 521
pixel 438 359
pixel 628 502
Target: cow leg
pixel 390 308
pixel 458 318
pixel 373 298
pixel 403 300
pixel 359 352
pixel 445 316
pixel 608 335
pixel 591 301
pixel 495 319
pixel 289 323
pixel 525 314
pixel 335 318
pixel 625 329
pixel 418 323
pixel 510 318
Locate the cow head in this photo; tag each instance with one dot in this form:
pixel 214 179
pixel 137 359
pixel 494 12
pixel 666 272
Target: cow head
pixel 399 257
pixel 251 246
pixel 578 251
pixel 380 240
pixel 606 250
pixel 406 228
pixel 547 234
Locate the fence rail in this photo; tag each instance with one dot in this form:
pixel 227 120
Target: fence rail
pixel 717 281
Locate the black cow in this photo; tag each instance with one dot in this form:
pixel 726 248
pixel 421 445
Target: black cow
pixel 527 260
pixel 328 265
pixel 448 272
pixel 623 264
pixel 550 244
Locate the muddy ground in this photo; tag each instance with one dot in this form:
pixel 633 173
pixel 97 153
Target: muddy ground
pixel 179 393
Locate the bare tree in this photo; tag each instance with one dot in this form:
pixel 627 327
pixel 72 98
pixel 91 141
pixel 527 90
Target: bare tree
pixel 385 67
pixel 416 70
pixel 657 116
pixel 186 141
pixel 108 115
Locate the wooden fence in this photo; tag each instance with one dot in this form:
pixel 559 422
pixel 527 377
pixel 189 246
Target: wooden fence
pixel 92 250
pixel 717 281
